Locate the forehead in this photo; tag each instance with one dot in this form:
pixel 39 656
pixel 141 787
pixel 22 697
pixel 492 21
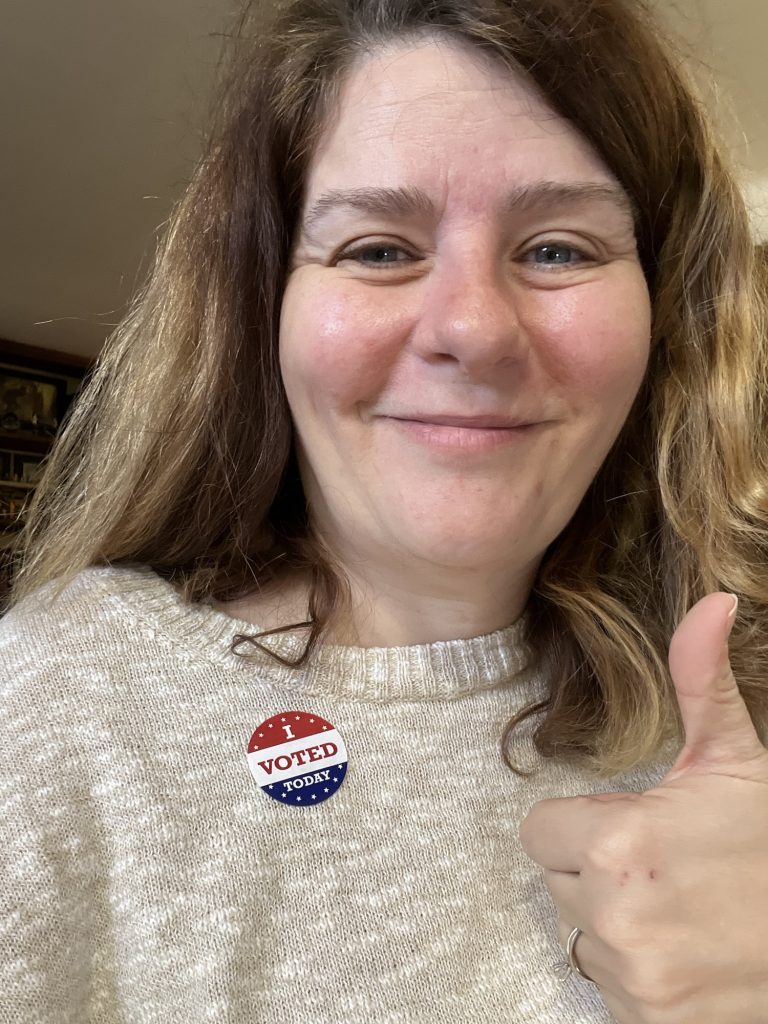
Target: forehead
pixel 441 116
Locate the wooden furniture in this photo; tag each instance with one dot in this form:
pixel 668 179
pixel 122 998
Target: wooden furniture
pixel 37 387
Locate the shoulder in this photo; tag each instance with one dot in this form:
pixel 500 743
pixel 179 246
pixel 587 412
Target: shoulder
pixel 67 632
pixel 53 609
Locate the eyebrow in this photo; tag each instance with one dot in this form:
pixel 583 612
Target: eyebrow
pixel 410 202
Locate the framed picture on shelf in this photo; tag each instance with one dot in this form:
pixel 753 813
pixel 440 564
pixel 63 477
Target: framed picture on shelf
pixel 31 401
pixel 31 468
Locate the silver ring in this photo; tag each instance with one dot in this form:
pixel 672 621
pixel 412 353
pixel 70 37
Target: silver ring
pixel 565 969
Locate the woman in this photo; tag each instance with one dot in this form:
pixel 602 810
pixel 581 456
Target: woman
pixel 513 214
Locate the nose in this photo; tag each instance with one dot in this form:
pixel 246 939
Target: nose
pixel 471 313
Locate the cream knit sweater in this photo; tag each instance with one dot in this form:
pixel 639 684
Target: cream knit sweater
pixel 147 878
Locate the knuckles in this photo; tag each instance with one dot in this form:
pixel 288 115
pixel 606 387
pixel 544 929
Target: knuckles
pixel 622 844
pixel 652 986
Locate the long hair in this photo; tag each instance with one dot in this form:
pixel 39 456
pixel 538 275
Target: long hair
pixel 179 452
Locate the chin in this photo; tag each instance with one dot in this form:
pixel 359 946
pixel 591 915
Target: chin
pixel 450 552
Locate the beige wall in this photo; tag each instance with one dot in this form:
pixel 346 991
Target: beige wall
pixel 725 44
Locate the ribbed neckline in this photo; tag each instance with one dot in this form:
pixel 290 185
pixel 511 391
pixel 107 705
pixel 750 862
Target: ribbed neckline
pixel 443 670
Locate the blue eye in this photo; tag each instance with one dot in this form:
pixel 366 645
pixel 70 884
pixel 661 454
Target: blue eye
pixel 555 254
pixel 379 248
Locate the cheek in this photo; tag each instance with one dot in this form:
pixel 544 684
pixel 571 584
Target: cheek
pixel 335 349
pixel 598 338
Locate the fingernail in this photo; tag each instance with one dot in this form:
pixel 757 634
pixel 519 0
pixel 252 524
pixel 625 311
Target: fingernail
pixel 732 612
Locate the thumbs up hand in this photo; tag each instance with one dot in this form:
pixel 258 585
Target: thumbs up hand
pixel 670 886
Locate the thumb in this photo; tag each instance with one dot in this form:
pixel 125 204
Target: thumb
pixel 718 728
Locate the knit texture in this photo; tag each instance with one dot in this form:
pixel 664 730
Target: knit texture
pixel 147 879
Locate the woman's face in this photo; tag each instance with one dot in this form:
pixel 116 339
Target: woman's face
pixel 502 294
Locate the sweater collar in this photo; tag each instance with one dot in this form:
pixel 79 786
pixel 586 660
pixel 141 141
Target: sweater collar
pixel 443 670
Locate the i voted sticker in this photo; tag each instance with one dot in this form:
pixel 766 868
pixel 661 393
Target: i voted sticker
pixel 297 758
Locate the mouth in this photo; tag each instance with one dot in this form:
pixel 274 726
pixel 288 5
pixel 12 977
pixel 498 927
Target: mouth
pixel 490 422
pixel 461 439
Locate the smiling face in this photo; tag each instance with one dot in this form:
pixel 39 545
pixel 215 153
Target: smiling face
pixel 509 284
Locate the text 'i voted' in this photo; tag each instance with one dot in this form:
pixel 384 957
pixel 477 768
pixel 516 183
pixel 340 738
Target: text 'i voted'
pixel 298 758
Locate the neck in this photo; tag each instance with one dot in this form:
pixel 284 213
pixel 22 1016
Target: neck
pixel 404 614
pixel 395 612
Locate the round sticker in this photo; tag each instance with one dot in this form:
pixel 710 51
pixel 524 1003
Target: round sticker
pixel 297 758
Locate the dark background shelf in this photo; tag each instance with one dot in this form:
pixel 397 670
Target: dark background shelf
pixel 28 360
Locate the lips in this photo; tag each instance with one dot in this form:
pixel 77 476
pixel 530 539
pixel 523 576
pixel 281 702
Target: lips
pixel 462 441
pixel 478 422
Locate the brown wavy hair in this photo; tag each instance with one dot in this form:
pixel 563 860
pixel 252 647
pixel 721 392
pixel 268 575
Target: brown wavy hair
pixel 179 451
